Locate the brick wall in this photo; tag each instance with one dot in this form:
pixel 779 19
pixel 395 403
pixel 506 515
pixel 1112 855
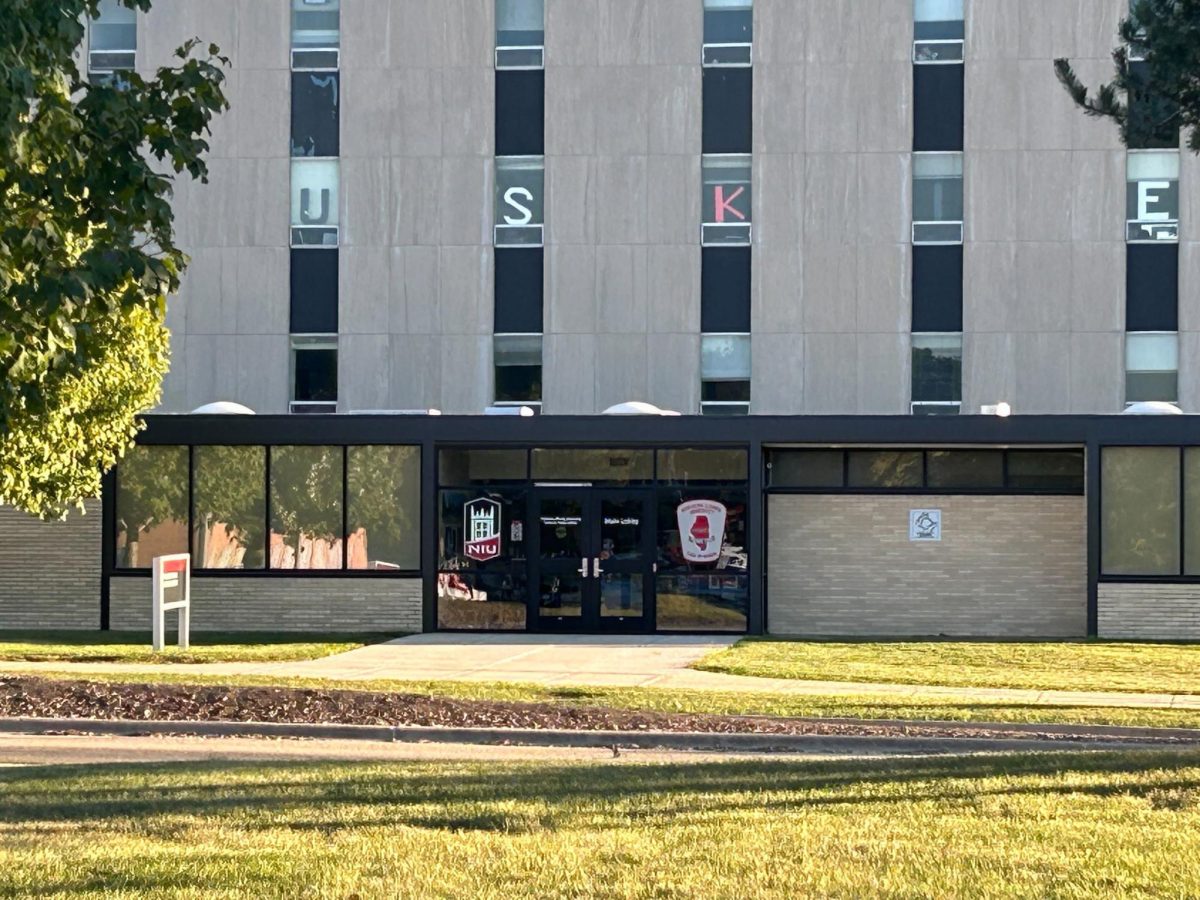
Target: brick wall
pixel 280 604
pixel 1007 566
pixel 1156 612
pixel 50 571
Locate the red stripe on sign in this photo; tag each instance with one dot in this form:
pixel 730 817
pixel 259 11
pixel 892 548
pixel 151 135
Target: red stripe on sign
pixel 175 565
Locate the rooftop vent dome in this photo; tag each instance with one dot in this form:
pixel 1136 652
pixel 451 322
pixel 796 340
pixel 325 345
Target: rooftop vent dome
pixel 637 408
pixel 1153 408
pixel 223 408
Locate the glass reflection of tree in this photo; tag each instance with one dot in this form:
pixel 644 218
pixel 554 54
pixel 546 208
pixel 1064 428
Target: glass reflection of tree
pixel 229 494
pixel 1141 510
pixel 152 484
pixel 306 496
pixel 383 490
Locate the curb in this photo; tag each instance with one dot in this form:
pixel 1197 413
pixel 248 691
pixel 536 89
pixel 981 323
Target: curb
pixel 646 740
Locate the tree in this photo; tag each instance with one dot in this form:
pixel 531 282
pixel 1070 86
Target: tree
pixel 87 249
pixel 1156 93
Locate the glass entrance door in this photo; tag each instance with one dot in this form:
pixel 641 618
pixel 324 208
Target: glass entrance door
pixel 593 560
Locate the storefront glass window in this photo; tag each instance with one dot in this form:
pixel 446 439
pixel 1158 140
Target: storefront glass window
pixel 691 466
pixel 609 466
pixel 885 468
pixel 1191 510
pixel 152 505
pixel 702 559
pixel 1140 511
pixel 383 508
pixel 306 508
pixel 229 515
pixel 482 576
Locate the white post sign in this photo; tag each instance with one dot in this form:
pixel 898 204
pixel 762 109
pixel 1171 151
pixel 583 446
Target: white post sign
pixel 172 585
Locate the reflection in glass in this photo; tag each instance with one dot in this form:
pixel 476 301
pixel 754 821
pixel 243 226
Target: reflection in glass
pixel 1046 470
pixel 383 494
pixel 885 468
pixel 560 529
pixel 615 466
pixel 937 368
pixel 306 508
pixel 621 595
pixel 476 602
pixel 230 507
pixel 733 554
pixel 807 468
pixel 315 99
pixel 458 468
pixel 965 468
pixel 152 505
pixel 685 466
pixel 716 601
pixel 621 530
pixel 1139 497
pixel 1191 510
pixel 561 595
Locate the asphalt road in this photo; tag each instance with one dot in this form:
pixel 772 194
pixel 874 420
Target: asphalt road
pixel 70 750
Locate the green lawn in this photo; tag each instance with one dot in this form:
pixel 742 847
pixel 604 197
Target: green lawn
pixel 134 647
pixel 845 705
pixel 1080 666
pixel 1056 825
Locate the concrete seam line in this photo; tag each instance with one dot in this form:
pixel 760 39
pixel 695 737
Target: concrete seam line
pixel 559 738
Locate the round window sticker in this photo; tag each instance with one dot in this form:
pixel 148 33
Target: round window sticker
pixel 560 532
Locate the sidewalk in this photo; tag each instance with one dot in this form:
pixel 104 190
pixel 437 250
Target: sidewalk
pixel 657 661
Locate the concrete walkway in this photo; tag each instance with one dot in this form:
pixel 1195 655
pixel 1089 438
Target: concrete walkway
pixel 659 661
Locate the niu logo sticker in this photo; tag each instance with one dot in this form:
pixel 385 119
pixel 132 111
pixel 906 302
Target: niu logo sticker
pixel 482 520
pixel 701 530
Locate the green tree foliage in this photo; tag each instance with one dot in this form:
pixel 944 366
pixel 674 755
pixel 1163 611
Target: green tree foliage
pixel 1155 95
pixel 87 247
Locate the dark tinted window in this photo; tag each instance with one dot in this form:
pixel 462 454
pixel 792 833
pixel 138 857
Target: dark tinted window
pixel 1046 470
pixel 1153 119
pixel 965 468
pixel 520 113
pixel 314 292
pixel 519 291
pixel 316 375
pixel 728 113
pixel 938 107
pixel 518 384
pixel 725 392
pixel 937 288
pixel 1152 287
pixel 806 468
pixel 725 290
pixel 885 468
pixel 315 99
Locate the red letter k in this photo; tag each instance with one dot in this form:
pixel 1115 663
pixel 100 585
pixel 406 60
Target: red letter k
pixel 726 204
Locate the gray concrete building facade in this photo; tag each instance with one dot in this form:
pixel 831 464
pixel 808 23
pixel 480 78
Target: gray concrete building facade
pixel 833 116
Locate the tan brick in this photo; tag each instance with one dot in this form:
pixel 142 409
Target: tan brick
pixel 1007 566
pixel 280 603
pixel 50 571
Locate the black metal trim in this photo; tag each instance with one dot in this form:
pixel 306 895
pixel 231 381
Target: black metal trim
pixel 108 545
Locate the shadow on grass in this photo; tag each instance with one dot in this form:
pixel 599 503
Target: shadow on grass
pixel 518 798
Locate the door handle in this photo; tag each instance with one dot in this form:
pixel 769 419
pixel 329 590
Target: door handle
pixel 596 567
pixel 583 570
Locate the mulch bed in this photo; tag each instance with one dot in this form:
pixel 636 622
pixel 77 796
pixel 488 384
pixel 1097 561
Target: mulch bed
pixel 46 698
